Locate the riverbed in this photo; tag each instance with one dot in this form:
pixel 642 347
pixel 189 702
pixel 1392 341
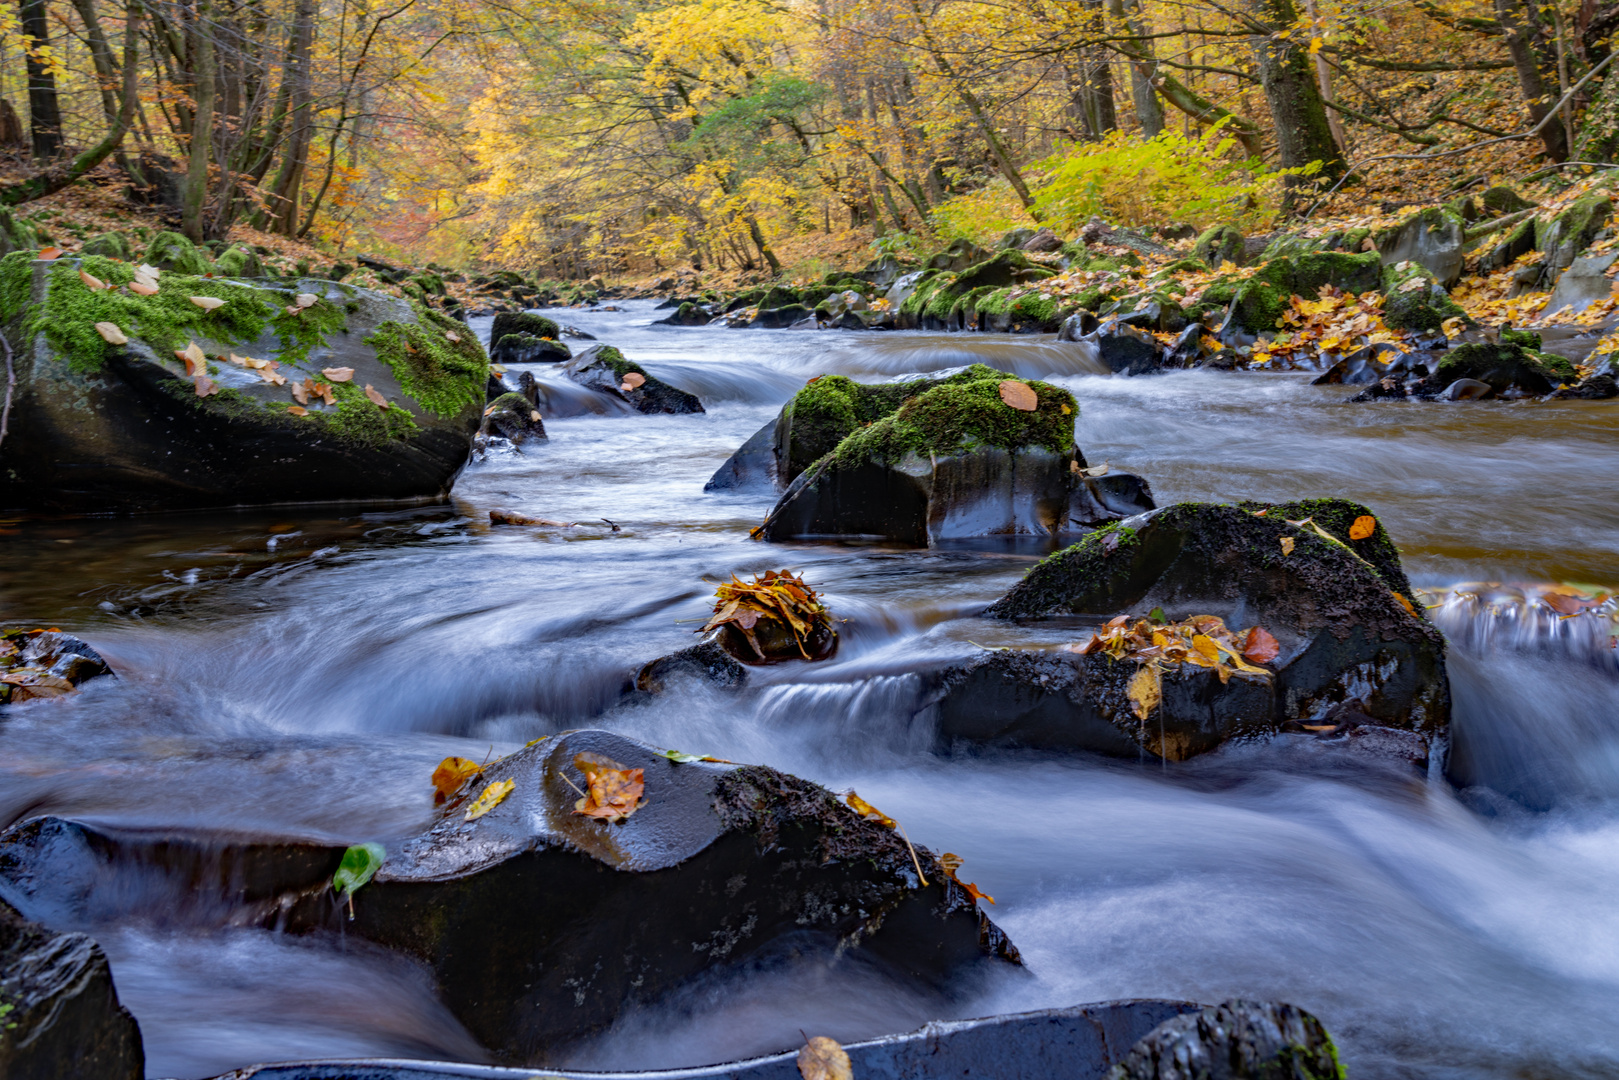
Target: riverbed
pixel 299 672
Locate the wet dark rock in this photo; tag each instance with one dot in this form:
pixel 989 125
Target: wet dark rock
pixel 1097 231
pixel 1080 1042
pixel 708 662
pixel 1390 388
pixel 754 464
pixel 510 420
pixel 958 256
pixel 1502 366
pixel 779 318
pixel 1237 1040
pixel 602 368
pixel 1600 387
pixel 96 427
pixel 1342 614
pixel 1188 348
pixel 849 320
pixel 542 927
pixel 1467 390
pixel 577 334
pixel 63 1018
pixel 1367 365
pixel 1079 325
pixel 688 314
pixel 38 662
pixel 1128 350
pixel 773 642
pixel 1096 500
pixel 528 349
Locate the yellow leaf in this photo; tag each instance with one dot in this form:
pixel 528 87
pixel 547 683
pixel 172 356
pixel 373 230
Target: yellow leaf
pixel 453 773
pixel 868 811
pixel 1287 545
pixel 823 1059
pixel 1146 690
pixel 1315 45
pixel 1205 645
pixel 492 797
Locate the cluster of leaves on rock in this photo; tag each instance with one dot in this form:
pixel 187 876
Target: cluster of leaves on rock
pixel 775 595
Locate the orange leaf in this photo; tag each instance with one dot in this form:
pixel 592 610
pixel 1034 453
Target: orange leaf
pixel 91 282
pixel 1566 604
pixel 632 381
pixel 143 287
pixel 613 792
pixel 49 253
pixel 300 392
pixel 868 811
pixel 298 410
pixel 1261 647
pixel 1019 395
pixel 1364 526
pixel 1409 610
pixel 338 374
pixel 451 776
pixel 204 386
pixel 376 399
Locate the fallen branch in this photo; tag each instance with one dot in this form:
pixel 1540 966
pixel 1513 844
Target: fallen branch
pixel 511 517
pixel 1483 229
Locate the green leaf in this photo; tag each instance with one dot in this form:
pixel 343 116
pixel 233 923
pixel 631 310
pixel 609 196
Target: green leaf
pixel 359 864
pixel 680 757
pixel 1157 615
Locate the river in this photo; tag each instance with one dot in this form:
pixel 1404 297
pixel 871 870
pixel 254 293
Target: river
pixel 299 672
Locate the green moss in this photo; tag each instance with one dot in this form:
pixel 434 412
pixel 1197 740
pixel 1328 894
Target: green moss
pixel 1336 516
pixel 357 419
pixel 1502 366
pixel 1422 310
pixel 959 416
pixel 1558 367
pixel 430 283
pixel 113 245
pixel 1572 231
pixel 930 281
pixel 1219 244
pixel 239 261
pixel 1527 339
pixel 444 377
pixel 171 251
pixel 1263 298
pixel 618 363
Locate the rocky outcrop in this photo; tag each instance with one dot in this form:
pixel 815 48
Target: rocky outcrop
pixel 345 395
pixel 753 465
pixel 173 252
pixel 62 1017
pixel 1584 283
pixel 1220 244
pixel 541 926
pixel 708 663
pixel 1432 238
pixel 1238 1040
pixel 1341 611
pixel 955 460
pixel 604 369
pixel 1570 232
pixel 38 664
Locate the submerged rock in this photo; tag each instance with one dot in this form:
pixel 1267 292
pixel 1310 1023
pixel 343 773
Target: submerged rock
pixel 954 461
pixel 1237 1040
pixel 542 926
pixel 98 426
pixel 1340 610
pixel 43 664
pixel 62 1016
pixel 604 369
pixel 708 662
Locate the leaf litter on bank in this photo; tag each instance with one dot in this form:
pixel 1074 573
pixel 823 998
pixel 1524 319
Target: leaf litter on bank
pixel 1158 645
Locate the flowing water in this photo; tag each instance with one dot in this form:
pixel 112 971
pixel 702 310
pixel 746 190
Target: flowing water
pixel 299 672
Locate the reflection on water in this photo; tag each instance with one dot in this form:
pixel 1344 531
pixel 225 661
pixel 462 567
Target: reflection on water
pixel 299 673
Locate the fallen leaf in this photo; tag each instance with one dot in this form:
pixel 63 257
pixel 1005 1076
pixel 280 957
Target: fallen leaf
pixel 1287 545
pixel 306 300
pixel 48 253
pixel 632 381
pixel 359 865
pixel 323 391
pixel 1146 690
pixel 452 335
pixel 272 376
pixel 294 309
pixel 338 374
pixel 1567 603
pixel 868 811
pixel 91 282
pixel 1261 647
pixel 376 399
pixel 147 271
pixel 534 415
pixel 143 287
pixel 204 385
pixel 452 774
pixel 491 797
pixel 1019 395
pixel 196 360
pixel 300 392
pixel 297 410
pixel 1409 610
pixel 111 334
pixel 208 303
pixel 1363 526
pixel 823 1059
pixel 613 792
pixel 950 863
pixel 680 757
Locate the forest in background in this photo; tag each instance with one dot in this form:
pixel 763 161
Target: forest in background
pixel 590 137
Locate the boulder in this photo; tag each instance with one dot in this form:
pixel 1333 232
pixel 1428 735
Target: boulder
pixel 687 314
pixel 1505 368
pixel 172 251
pixel 1584 283
pixel 603 368
pixel 1369 364
pixel 1432 238
pixel 1414 300
pixel 97 426
pixel 1259 301
pixel 241 261
pixel 1044 240
pixel 1499 201
pixel 510 420
pixel 958 256
pixel 1516 242
pixel 62 1016
pixel 1081 324
pixel 1220 244
pixel 528 349
pixel 1566 235
pixel 953 461
pixel 779 318
pixel 1128 350
pixel 937 297
pixel 541 926
pixel 753 465
pixel 708 662
pixel 523 322
pixel 113 245
pixel 1238 1040
pixel 45 664
pixel 1340 609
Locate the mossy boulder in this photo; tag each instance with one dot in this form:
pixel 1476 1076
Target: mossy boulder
pixel 1500 201
pixel 523 322
pixel 511 420
pixel 1353 648
pixel 528 349
pixel 1219 244
pixel 172 251
pixel 687 314
pixel 937 298
pixel 241 261
pixel 603 368
pixel 102 427
pixel 1414 299
pixel 1504 367
pixel 1248 1040
pixel 1516 242
pixel 111 244
pixel 954 461
pixel 1260 301
pixel 958 255
pixel 1564 237
pixel 15 233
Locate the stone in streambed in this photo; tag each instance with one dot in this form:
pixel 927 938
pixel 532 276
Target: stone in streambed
pixel 62 1016
pixel 98 427
pixel 707 662
pixel 753 465
pixel 511 420
pixel 1339 611
pixel 45 663
pixel 602 368
pixel 1237 1040
pixel 542 926
pixel 528 349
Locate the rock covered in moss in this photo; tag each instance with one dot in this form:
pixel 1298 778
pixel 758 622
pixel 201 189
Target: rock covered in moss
pixel 111 244
pixel 1127 349
pixel 1507 369
pixel 603 368
pixel 1432 238
pixel 1220 244
pixel 1415 300
pixel 1565 236
pixel 687 314
pixel 528 349
pixel 542 926
pixel 937 295
pixel 15 233
pixel 1259 301
pixel 510 420
pixel 44 664
pixel 955 460
pixel 1237 1040
pixel 172 251
pixel 777 318
pixel 98 426
pixel 241 261
pixel 1340 609
pixel 523 322
pixel 62 1016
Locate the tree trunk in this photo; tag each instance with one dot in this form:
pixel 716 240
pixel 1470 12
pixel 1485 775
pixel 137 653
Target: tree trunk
pixel 44 113
pixel 289 177
pixel 1299 115
pixel 1507 12
pixel 194 195
pixel 1149 110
